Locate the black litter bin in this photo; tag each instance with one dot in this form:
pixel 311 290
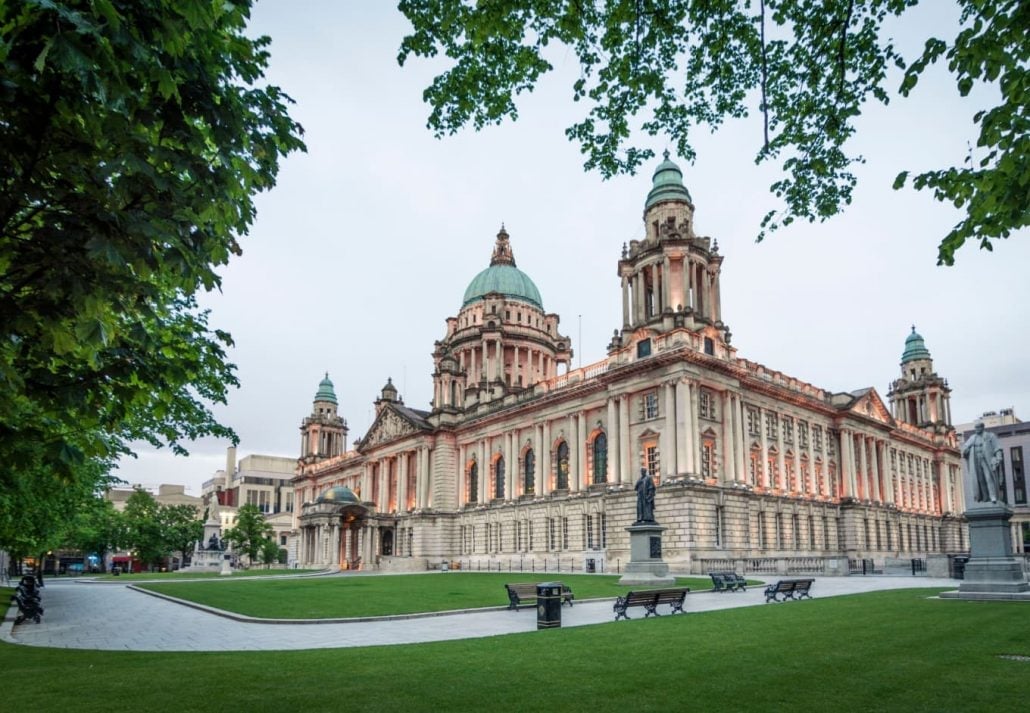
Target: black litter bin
pixel 548 605
pixel 591 566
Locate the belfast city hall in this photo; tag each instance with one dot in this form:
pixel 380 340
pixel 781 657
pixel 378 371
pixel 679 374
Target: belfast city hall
pixel 522 459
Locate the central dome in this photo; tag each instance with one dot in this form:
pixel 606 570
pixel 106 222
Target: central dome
pixel 503 277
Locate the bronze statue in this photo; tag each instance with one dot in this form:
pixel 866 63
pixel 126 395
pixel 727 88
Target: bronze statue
pixel 645 497
pixel 983 461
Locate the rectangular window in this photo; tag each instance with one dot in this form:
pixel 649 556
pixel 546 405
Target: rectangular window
pixel 529 533
pixel 643 348
pixel 707 451
pixel 754 427
pixel 771 425
pixel 788 429
pixel 840 535
pixel 565 533
pixel 706 404
pixel 604 530
pixel 817 438
pixel 650 407
pixel 552 540
pixel 1018 475
pixel 651 460
pixel 826 533
pixel 588 531
pixel 779 530
pixel 761 530
pixel 797 532
pixel 811 532
pixel 803 434
pixel 718 526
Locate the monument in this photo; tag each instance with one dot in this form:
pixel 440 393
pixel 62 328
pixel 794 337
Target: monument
pixel 991 572
pixel 646 567
pixel 209 551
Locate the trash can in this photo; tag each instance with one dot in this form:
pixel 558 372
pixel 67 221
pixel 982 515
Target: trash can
pixel 548 605
pixel 444 566
pixel 591 566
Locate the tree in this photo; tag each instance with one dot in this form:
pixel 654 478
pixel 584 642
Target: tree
pixel 250 532
pixel 97 528
pixel 270 552
pixel 143 532
pixel 180 528
pixel 134 136
pixel 806 67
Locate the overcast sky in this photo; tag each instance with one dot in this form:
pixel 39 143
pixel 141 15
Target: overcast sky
pixel 369 240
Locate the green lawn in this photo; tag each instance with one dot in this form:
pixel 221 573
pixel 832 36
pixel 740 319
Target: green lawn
pixel 353 596
pixel 889 651
pixel 171 576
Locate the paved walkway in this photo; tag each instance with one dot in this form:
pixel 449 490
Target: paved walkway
pixel 76 612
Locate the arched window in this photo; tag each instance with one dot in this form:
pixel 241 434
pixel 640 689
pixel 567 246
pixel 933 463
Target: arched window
pixel 601 458
pixel 499 478
pixel 562 476
pixel 473 482
pixel 529 473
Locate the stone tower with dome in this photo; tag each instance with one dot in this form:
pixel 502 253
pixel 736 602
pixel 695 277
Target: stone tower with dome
pixel 520 460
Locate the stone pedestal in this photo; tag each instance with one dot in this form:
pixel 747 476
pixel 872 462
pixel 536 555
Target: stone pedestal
pixel 991 572
pixel 226 565
pixel 646 567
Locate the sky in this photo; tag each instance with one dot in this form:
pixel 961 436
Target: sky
pixel 367 243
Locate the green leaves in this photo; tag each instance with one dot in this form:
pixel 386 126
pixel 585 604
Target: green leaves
pixel 668 67
pixel 134 137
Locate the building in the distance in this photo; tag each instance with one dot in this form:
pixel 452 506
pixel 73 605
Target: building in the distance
pixel 1014 439
pixel 520 459
pixel 259 480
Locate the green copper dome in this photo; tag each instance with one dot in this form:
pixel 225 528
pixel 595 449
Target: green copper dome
pixel 914 348
pixel 325 391
pixel 503 277
pixel 338 494
pixel 667 184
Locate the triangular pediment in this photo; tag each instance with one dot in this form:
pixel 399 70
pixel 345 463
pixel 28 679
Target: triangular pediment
pixel 391 424
pixel 868 404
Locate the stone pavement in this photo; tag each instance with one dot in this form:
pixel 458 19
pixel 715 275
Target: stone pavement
pixel 113 617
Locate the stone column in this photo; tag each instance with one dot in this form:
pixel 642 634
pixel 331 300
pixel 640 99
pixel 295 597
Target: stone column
pixel 510 470
pixel 781 457
pixel 694 444
pixel 584 458
pixel 613 441
pixel 725 453
pixel 625 302
pixel 545 470
pixel 574 450
pixel 766 480
pixel 741 443
pixel 668 437
pixel 877 490
pixel 484 471
pixel 538 455
pixel 402 482
pixel 625 470
pixel 682 436
pixel 666 273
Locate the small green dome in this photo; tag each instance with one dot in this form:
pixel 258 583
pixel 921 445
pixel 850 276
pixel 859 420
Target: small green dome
pixel 667 184
pixel 325 391
pixel 914 348
pixel 503 277
pixel 338 494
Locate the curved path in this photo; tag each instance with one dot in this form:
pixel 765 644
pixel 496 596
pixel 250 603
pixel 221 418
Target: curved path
pixel 82 615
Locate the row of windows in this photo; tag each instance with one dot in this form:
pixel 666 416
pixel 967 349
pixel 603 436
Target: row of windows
pixel 784 426
pixel 522 535
pixel 598 469
pixel 649 405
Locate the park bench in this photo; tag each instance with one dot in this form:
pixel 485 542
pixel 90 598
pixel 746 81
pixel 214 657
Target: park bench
pixel 788 589
pixel 727 582
pixel 651 599
pixel 524 592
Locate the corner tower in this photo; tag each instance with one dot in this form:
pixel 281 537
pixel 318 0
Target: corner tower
pixel 670 278
pixel 920 397
pixel 323 434
pixel 502 340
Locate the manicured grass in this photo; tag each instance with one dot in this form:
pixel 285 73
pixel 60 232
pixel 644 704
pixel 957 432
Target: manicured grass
pixel 887 651
pixel 253 572
pixel 353 596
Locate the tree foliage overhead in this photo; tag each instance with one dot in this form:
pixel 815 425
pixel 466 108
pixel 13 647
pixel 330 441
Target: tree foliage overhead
pixel 134 135
pixel 804 67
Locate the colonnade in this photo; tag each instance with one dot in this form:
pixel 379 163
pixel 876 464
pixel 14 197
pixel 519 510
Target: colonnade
pixel 672 281
pixel 398 482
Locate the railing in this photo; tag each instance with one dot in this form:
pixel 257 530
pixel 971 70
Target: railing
pixel 762 565
pixel 805 565
pixel 862 566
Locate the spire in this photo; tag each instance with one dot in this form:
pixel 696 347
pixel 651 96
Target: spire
pixel 502 250
pixel 667 184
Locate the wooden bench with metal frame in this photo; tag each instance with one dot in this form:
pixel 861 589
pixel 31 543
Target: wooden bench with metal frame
pixel 651 599
pixel 521 593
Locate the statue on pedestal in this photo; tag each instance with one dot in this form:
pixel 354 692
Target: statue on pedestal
pixel 983 456
pixel 645 497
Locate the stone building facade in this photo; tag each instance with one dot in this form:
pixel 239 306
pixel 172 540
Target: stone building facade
pixel 522 459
